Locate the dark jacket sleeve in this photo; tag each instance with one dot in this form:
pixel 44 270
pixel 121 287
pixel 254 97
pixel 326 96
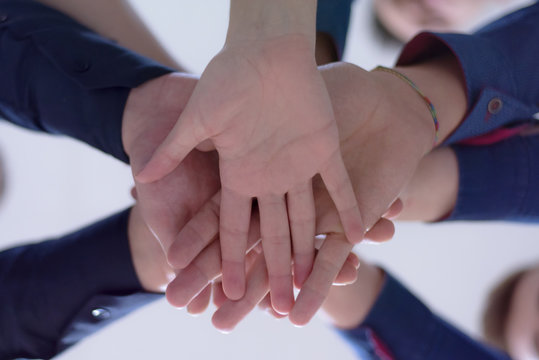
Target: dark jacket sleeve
pixel 60 77
pixel 499 181
pixel 333 18
pixel 54 293
pixel 400 326
pixel 499 65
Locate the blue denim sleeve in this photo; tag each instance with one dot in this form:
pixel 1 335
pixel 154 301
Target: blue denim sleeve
pixel 59 77
pixel 54 293
pixel 499 65
pixel 405 328
pixel 333 18
pixel 498 182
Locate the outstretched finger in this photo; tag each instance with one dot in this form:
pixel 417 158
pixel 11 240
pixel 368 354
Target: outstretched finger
pixel 265 305
pixel 219 297
pixel 327 265
pixel 301 213
pixel 395 209
pixel 198 233
pixel 232 312
pixel 348 273
pixel 335 177
pixel 200 302
pixel 184 137
pixel 235 216
pixel 190 281
pixel 275 233
pixel 382 231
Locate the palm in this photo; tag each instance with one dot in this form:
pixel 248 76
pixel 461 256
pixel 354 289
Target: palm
pixel 269 110
pixel 168 204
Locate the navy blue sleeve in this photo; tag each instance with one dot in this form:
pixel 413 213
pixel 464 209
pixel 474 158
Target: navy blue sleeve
pixel 59 77
pixel 499 65
pixel 399 326
pixel 499 181
pixel 54 293
pixel 333 18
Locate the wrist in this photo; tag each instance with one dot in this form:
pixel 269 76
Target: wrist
pixel 432 193
pixel 441 80
pixel 256 20
pixel 413 116
pixel 347 306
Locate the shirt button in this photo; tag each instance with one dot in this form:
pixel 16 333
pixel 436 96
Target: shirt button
pixel 495 106
pixel 100 314
pixel 3 18
pixel 82 66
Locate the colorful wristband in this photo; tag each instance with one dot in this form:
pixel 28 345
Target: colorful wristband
pixel 423 96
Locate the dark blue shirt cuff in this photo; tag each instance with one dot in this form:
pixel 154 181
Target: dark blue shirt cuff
pixel 499 181
pixel 411 331
pixel 499 66
pixel 62 78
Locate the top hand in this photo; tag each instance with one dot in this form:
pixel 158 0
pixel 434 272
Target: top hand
pixel 265 108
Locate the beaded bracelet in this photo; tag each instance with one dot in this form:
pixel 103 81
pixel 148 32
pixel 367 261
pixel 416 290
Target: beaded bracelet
pixel 425 98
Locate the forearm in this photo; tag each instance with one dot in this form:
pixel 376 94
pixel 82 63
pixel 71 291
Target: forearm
pixel 441 80
pixel 494 182
pixel 432 192
pixel 252 20
pixel 116 20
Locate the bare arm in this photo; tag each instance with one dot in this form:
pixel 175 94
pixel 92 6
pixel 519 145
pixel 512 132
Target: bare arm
pixel 432 192
pixel 348 305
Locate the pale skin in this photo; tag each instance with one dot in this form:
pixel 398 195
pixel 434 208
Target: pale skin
pixel 348 305
pixel 178 196
pixel 274 129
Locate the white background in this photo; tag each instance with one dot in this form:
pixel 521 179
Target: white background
pixel 57 185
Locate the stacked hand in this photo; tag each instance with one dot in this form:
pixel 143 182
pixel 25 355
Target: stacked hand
pixel 264 106
pixel 368 137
